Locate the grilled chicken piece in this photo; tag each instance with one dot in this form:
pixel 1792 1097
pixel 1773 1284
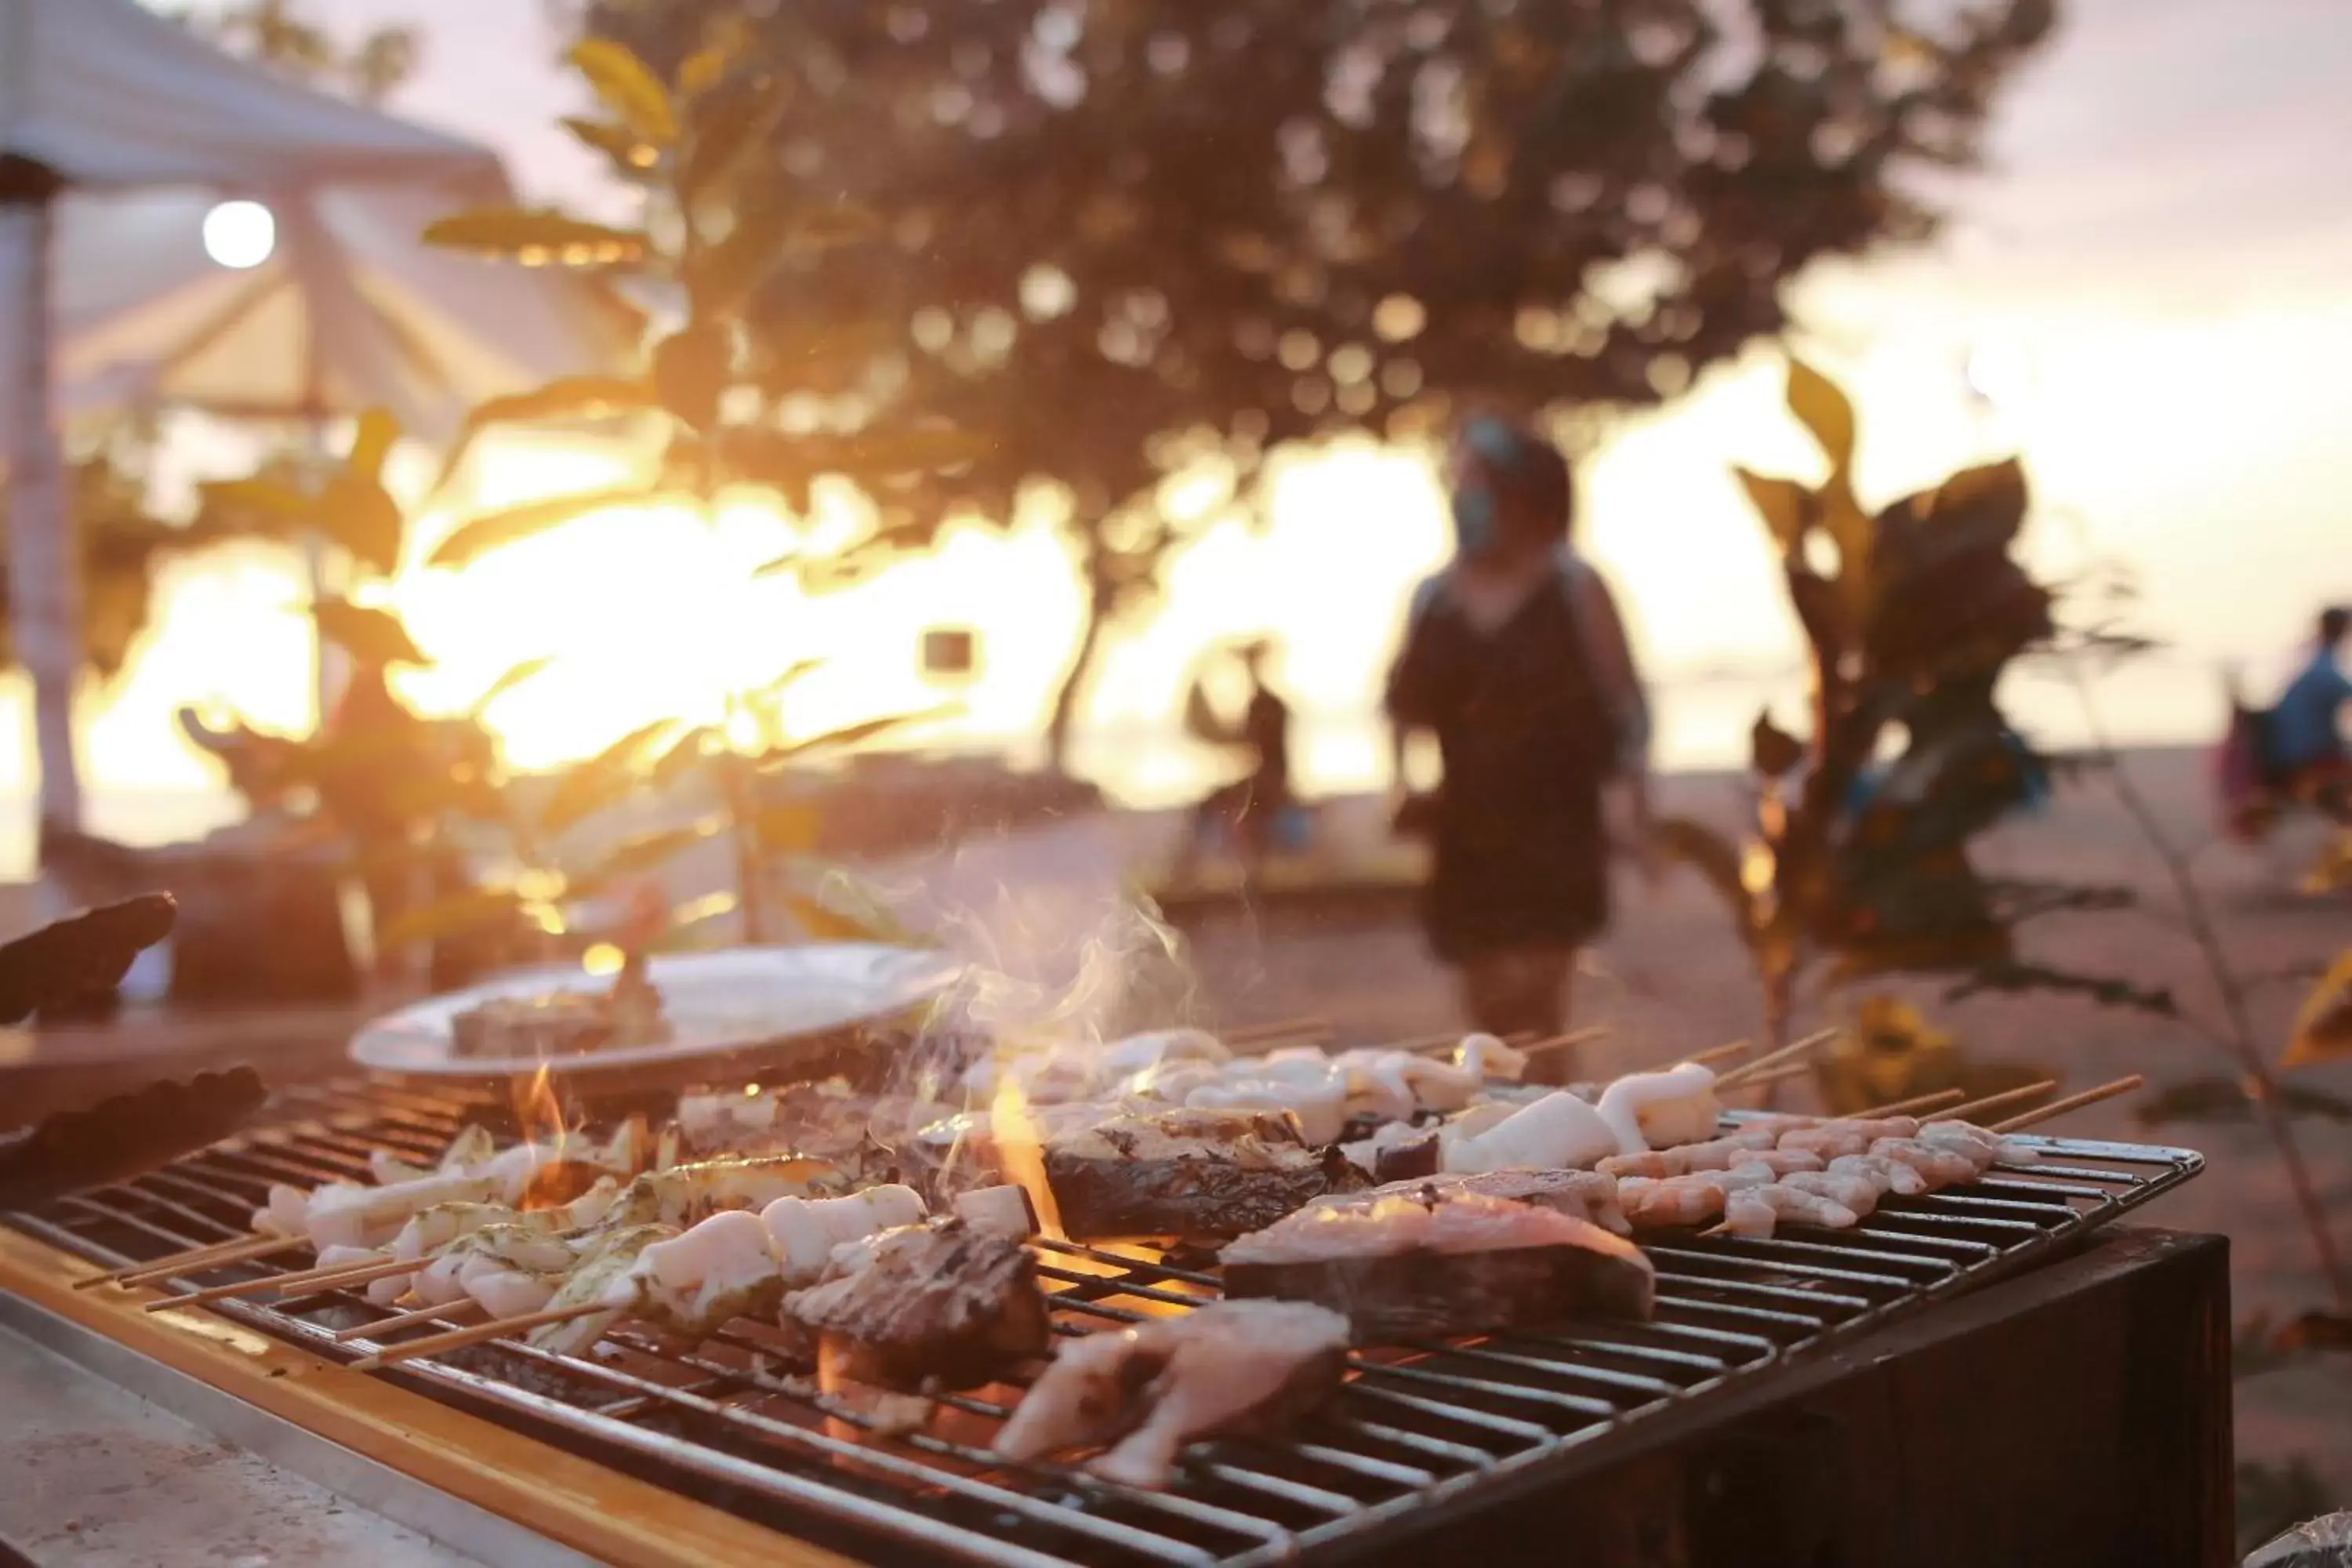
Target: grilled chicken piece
pixel 938 1303
pixel 1441 1263
pixel 1188 1172
pixel 1230 1367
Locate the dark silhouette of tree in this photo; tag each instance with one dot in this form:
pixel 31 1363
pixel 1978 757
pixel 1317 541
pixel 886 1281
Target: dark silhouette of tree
pixel 1134 235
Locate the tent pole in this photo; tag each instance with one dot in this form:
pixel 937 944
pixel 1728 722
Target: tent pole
pixel 45 567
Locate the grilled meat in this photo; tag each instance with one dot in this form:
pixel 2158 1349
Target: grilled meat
pixel 1587 1195
pixel 940 1302
pixel 1188 1172
pixel 1441 1263
pixel 1230 1367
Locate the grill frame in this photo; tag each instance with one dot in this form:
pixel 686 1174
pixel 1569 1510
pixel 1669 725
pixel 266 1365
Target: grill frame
pixel 1530 1411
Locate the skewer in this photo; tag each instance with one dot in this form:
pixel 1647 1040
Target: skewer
pixel 1568 1041
pixel 215 1293
pixel 322 1280
pixel 1757 1081
pixel 1718 1053
pixel 1281 1029
pixel 2071 1102
pixel 1748 1070
pixel 462 1310
pixel 1976 1108
pixel 219 1255
pixel 1903 1107
pixel 455 1339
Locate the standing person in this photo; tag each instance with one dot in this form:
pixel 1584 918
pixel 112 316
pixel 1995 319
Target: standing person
pixel 1249 805
pixel 1515 660
pixel 2307 756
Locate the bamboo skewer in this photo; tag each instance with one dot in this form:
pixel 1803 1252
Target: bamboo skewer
pixel 1717 1054
pixel 1567 1041
pixel 1774 1075
pixel 318 1280
pixel 196 1259
pixel 215 1293
pixel 460 1312
pixel 1803 1048
pixel 2071 1102
pixel 456 1339
pixel 1917 1103
pixel 2007 1097
pixel 1283 1029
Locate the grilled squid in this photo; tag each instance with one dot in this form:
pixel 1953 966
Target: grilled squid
pixel 1657 1109
pixel 1557 1132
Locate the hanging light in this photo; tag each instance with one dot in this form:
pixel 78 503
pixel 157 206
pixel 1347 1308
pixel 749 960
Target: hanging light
pixel 239 235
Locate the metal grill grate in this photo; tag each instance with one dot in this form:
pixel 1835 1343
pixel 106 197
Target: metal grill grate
pixel 1419 1428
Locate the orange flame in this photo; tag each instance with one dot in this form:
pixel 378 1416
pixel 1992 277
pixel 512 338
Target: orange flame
pixel 1022 1152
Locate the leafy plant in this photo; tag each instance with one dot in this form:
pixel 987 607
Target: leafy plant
pixel 1891 1052
pixel 1857 863
pixel 1138 241
pixel 705 243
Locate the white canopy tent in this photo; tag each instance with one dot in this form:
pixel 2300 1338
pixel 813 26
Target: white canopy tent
pixel 100 95
pixel 350 311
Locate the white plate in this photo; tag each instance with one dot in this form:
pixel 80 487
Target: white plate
pixel 718 1003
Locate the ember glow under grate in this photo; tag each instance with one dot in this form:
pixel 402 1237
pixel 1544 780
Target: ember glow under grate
pixel 1420 1429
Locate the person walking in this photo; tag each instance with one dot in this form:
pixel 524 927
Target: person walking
pixel 1249 807
pixel 1515 660
pixel 2308 761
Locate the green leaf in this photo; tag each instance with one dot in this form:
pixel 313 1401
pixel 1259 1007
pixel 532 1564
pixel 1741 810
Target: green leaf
pixel 515 675
pixel 372 637
pixel 684 755
pixel 566 397
pixel 1785 506
pixel 628 89
pixel 791 674
pixel 630 154
pixel 478 536
pixel 602 780
pixel 691 369
pixel 2300 1099
pixel 1989 501
pixel 2016 978
pixel 537 238
pixel 724 127
pixel 647 852
pixel 1772 750
pixel 855 734
pixel 372 443
pixel 720 277
pixel 1713 856
pixel 2199 1100
pixel 2322 1027
pixel 359 514
pixel 1823 410
pixel 267 497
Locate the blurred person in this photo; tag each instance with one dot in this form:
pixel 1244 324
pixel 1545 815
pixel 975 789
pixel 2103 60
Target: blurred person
pixel 1253 807
pixel 1515 660
pixel 2304 733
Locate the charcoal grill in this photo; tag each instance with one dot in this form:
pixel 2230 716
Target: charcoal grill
pixel 1422 1434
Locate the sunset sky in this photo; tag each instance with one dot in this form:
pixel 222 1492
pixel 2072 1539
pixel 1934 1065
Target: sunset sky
pixel 2151 279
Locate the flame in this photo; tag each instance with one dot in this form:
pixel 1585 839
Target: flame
pixel 1022 1152
pixel 539 1112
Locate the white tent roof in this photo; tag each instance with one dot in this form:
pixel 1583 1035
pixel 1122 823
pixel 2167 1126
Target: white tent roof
pixel 107 94
pixel 350 297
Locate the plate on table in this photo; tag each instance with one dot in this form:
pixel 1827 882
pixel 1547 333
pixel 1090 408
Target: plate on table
pixel 717 1004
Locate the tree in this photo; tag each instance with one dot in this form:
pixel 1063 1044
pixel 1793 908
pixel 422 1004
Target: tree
pixel 278 34
pixel 1139 235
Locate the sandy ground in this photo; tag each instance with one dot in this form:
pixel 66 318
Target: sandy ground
pixel 1669 978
